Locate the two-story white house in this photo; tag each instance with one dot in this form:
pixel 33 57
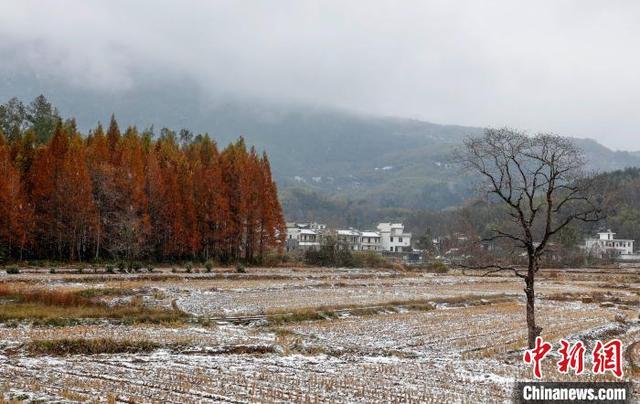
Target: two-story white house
pixel 393 238
pixel 293 231
pixel 370 241
pixel 309 239
pixel 349 238
pixel 304 236
pixel 389 237
pixel 607 245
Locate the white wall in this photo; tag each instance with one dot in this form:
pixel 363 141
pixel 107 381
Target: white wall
pixel 393 231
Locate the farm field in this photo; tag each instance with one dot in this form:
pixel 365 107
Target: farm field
pixel 297 334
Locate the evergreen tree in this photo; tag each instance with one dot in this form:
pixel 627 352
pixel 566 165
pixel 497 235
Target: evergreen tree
pixel 13 119
pixel 43 118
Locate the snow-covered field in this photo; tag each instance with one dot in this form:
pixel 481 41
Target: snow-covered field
pixel 381 336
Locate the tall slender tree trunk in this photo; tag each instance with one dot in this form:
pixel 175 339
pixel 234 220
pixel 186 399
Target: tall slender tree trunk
pixel 532 330
pixel 98 245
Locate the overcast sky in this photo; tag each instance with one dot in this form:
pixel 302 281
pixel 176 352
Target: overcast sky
pixel 572 67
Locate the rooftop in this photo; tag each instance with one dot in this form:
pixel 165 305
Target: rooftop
pixel 613 239
pixel 349 232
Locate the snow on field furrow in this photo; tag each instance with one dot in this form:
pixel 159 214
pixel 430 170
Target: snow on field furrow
pixel 270 375
pixel 116 376
pixel 209 297
pixel 484 327
pixel 242 302
pixel 223 335
pixel 280 285
pixel 454 354
pixel 439 372
pixel 225 303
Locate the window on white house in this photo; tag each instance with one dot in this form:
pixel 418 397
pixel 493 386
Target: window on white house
pixel 392 239
pixel 401 239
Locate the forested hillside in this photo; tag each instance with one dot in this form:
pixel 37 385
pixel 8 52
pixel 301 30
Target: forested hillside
pixel 390 162
pixel 330 165
pixel 131 195
pixel 617 194
pixel 620 195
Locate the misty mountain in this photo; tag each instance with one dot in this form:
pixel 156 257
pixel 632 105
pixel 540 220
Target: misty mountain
pixel 327 162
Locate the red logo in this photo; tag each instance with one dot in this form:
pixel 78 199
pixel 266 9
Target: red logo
pixel 572 357
pixel 608 357
pixel 536 355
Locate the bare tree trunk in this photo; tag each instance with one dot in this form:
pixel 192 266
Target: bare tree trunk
pixel 541 183
pixel 98 245
pixel 533 330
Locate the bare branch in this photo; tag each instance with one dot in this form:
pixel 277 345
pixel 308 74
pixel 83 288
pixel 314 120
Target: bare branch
pixel 495 268
pixel 538 178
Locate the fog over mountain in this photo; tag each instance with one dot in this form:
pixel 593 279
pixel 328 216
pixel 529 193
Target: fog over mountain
pixel 331 164
pixel 342 96
pixel 568 67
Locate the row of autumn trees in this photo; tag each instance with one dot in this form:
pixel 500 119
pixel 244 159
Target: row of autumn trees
pixel 133 196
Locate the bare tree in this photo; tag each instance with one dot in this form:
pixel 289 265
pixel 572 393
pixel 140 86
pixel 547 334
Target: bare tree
pixel 540 183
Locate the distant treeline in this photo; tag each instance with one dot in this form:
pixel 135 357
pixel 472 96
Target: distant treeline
pixel 617 193
pixel 131 195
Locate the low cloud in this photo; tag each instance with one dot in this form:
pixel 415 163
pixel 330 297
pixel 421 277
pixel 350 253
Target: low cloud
pixel 569 67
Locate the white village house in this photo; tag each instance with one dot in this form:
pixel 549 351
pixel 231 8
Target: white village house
pixel 370 241
pixel 393 237
pixel 304 236
pixel 349 238
pixel 607 245
pixel 390 237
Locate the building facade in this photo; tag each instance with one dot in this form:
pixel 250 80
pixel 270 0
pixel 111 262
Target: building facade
pixel 393 238
pixel 349 239
pixel 370 241
pixel 304 236
pixel 390 238
pixel 607 245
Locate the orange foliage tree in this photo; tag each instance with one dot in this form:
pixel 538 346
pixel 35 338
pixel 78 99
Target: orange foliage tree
pixel 127 197
pixel 15 213
pixel 65 214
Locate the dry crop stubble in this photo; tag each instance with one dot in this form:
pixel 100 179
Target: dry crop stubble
pixel 379 338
